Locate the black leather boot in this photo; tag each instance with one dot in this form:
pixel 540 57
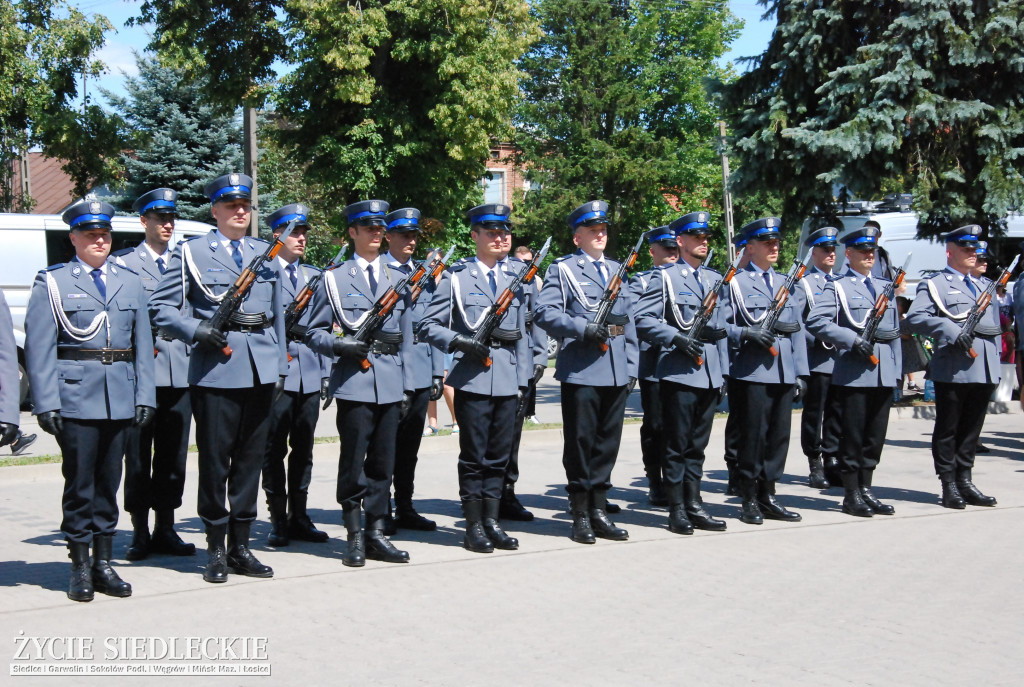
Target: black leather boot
pixel 853 501
pixel 300 527
pixel 770 508
pixel 390 526
pixel 874 504
pixel 355 554
pixel 407 518
pixel 970 493
pixel 510 507
pixel 831 469
pixel 733 487
pixel 750 512
pixel 165 539
pixel 240 558
pixel 278 507
pixel 476 539
pixel 138 550
pixel 493 530
pixel 951 497
pixel 700 518
pixel 656 491
pixel 379 548
pixel 217 561
pixel 80 585
pixel 603 527
pixel 678 523
pixel 816 479
pixel 105 579
pixel 579 504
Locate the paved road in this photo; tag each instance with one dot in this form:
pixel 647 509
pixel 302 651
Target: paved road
pixel 929 596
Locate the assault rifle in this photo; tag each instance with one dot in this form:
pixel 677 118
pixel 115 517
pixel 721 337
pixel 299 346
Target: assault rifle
pixel 433 270
pixel 979 307
pixel 381 310
pixel 707 306
pixel 497 310
pixel 878 311
pixel 611 291
pixel 796 272
pixel 293 313
pixel 234 296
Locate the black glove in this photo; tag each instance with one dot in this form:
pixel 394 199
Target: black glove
pixel 51 422
pixel 801 389
pixel 8 433
pixel 405 405
pixel 144 415
pixel 350 347
pixel 721 394
pixel 631 384
pixel 759 335
pixel 521 401
pixel 436 388
pixel 325 385
pixel 464 343
pixel 965 342
pixel 538 373
pixel 278 388
pixel 596 333
pixel 207 335
pixel 863 348
pixel 688 345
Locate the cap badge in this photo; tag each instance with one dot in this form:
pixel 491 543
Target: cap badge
pixel 410 213
pixel 233 179
pixel 770 222
pixel 168 194
pixel 374 206
pixel 94 208
pixel 595 206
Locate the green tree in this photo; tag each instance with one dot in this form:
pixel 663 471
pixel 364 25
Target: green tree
pixel 615 107
pixel 45 47
pixel 178 140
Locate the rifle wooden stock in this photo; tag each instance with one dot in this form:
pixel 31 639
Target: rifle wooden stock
pixel 387 303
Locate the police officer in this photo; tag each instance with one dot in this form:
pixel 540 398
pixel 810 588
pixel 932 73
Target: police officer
pixel 296 409
pixel 763 385
pixel 231 394
pixel 690 392
pixel 664 251
pixel 403 235
pixel 10 388
pixel 488 398
pixel 88 353
pixel 819 421
pixel 597 365
pixel 963 384
pixel 732 422
pixel 862 387
pixel 154 459
pixel 371 399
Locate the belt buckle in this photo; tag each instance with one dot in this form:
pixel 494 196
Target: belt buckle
pixel 106 356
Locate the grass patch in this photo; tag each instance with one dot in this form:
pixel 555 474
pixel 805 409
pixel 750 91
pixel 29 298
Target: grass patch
pixel 30 460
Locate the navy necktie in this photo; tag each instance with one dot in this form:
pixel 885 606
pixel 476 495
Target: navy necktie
pixel 494 284
pixel 871 287
pixel 291 275
pixel 236 253
pixel 767 280
pixel 600 271
pixel 160 265
pixel 370 278
pixel 406 268
pixel 97 277
pixel 970 285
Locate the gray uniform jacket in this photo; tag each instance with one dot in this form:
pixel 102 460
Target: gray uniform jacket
pixel 568 302
pixel 171 354
pixel 344 297
pixel 202 269
pixel 838 317
pixel 746 302
pixel 306 367
pixel 942 302
pixel 427 361
pixel 536 336
pixel 668 305
pixel 462 298
pixel 88 389
pixel 821 355
pixel 647 360
pixel 10 386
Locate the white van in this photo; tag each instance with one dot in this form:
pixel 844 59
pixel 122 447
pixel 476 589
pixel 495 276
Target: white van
pixel 33 242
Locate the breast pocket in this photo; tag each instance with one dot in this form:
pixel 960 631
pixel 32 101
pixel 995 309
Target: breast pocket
pixel 126 313
pixel 81 311
pixel 354 305
pixel 756 303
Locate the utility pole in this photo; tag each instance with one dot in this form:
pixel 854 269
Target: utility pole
pixel 249 133
pixel 726 194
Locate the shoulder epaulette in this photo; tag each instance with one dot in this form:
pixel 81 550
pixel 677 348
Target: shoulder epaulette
pixel 564 257
pixel 123 251
pixel 55 267
pixel 458 267
pixel 126 268
pixel 712 270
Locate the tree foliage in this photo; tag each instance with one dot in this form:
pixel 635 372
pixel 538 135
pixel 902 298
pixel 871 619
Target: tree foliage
pixel 178 140
pixel 45 47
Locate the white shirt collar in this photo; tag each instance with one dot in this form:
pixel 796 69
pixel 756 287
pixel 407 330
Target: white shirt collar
pixel 166 255
pixel 392 260
pixel 102 268
pixel 226 242
pixel 364 263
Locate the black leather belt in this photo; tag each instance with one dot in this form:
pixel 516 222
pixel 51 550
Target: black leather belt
pixel 107 356
pixel 234 327
pixel 383 348
pixel 247 322
pixel 501 343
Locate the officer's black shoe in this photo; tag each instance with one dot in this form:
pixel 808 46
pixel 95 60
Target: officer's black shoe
pixel 612 508
pixel 874 504
pixel 407 518
pixel 355 554
pixel 772 509
pixel 750 512
pixel 695 510
pixel 970 493
pixel 80 585
pixel 216 562
pixel 22 443
pixel 951 497
pixel 139 548
pixel 853 501
pixel 493 530
pixel 831 469
pixel 603 527
pixel 476 539
pixel 656 491
pixel 240 558
pixel 677 520
pixel 278 506
pixel 816 479
pixel 379 548
pixel 104 578
pixel 980 448
pixel 733 488
pixel 300 527
pixel 510 507
pixel 582 532
pixel 166 540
